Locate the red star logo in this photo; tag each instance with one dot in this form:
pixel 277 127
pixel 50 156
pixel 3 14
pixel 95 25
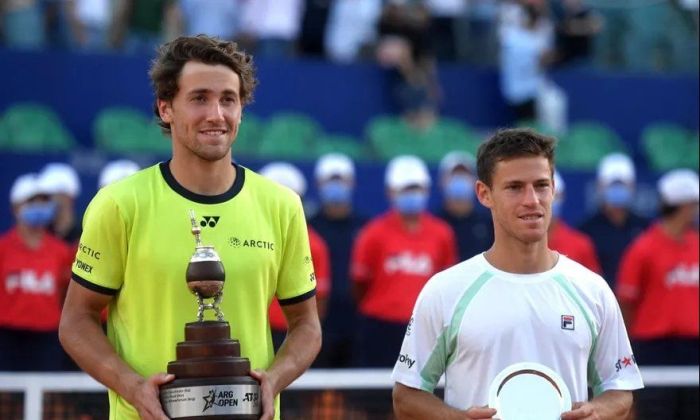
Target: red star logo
pixel 627 361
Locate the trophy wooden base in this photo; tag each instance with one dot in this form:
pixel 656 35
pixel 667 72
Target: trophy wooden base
pixel 212 380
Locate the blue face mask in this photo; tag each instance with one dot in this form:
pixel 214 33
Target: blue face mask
pixel 557 206
pixel 460 188
pixel 411 203
pixel 618 195
pixel 335 192
pixel 39 214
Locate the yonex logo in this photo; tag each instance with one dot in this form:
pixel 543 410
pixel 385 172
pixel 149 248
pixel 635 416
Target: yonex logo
pixel 210 221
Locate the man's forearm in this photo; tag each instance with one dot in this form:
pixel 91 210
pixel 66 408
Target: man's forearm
pixel 84 340
pixel 414 404
pixel 298 351
pixel 613 405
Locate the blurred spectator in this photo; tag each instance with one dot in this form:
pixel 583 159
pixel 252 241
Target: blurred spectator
pixel 445 17
pixel 313 27
pixel 34 271
pixel 576 27
pixel 473 230
pixel 658 292
pixel 661 35
pixel 404 47
pixel 351 28
pixel 613 227
pixel 338 224
pixel 526 44
pixel 291 177
pixel 89 23
pixel 565 239
pixel 270 28
pixel 140 26
pixel 219 18
pixel 116 170
pixel 63 183
pixel 478 43
pixel 394 256
pixel 23 24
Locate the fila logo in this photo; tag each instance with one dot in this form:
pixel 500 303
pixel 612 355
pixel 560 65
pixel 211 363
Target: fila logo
pixel 567 322
pixel 210 221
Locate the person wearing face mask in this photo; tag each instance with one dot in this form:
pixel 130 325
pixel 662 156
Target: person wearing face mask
pixel 392 258
pixel 657 287
pixel 338 224
pixel 34 272
pixel 565 239
pixel 613 227
pixel 63 183
pixel 473 230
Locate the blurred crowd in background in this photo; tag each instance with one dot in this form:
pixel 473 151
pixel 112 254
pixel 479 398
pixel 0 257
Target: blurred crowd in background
pixel 622 34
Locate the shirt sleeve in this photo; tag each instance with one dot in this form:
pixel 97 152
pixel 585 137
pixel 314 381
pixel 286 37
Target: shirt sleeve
pixel 631 274
pixel 612 365
pixel 319 253
pixel 297 280
pixel 101 257
pixel 424 352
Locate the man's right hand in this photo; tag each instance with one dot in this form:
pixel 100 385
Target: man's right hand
pixel 145 396
pixel 475 413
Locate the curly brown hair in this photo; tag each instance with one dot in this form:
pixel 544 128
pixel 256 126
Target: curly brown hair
pixel 172 57
pixel 512 143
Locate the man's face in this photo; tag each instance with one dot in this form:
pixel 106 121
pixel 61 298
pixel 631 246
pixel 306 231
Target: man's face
pixel 205 114
pixel 520 198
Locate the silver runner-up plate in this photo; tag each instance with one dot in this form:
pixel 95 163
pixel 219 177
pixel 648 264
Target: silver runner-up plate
pixel 529 391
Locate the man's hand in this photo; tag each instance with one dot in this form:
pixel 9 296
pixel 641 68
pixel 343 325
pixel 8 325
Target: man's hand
pixel 480 413
pixel 267 399
pixel 145 396
pixel 582 410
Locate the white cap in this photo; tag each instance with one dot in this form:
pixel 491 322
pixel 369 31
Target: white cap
pixel 616 167
pixel 559 184
pixel 679 186
pixel 116 170
pixel 404 171
pixel 25 187
pixel 60 178
pixel 456 158
pixel 286 174
pixel 334 164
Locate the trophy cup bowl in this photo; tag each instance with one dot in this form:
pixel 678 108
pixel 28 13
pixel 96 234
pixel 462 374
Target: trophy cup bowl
pixel 211 381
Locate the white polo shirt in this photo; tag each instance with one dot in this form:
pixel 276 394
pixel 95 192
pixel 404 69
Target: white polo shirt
pixel 472 320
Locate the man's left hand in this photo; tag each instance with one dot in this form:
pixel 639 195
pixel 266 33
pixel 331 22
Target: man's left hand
pixel 267 399
pixel 581 410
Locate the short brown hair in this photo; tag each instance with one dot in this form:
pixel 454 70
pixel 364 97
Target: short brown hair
pixel 512 143
pixel 172 57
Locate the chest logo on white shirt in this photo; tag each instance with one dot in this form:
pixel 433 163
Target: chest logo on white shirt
pixel 418 264
pixel 567 322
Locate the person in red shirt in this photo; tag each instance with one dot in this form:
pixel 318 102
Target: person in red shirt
pixel 34 273
pixel 566 240
pixel 393 257
pixel 291 177
pixel 658 291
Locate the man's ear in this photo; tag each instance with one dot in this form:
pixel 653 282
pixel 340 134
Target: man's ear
pixel 483 194
pixel 165 110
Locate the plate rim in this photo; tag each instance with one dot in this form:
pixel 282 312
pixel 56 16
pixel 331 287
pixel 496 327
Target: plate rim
pixel 515 367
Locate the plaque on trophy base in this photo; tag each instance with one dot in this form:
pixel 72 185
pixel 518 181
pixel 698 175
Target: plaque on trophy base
pixel 211 381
